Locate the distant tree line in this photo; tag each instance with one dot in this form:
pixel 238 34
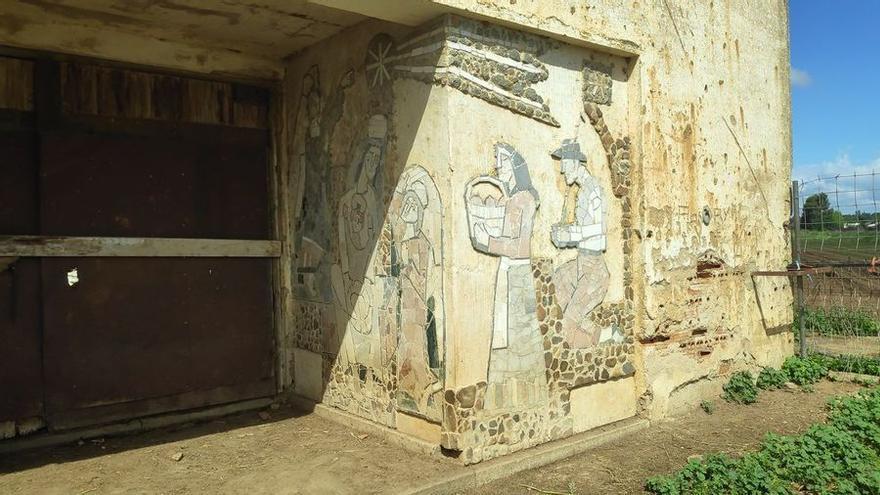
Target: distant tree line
pixel 818 214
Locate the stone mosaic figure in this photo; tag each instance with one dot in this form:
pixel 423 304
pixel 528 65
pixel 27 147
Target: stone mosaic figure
pixel 517 352
pixel 581 284
pixel 418 270
pixel 359 226
pixel 315 119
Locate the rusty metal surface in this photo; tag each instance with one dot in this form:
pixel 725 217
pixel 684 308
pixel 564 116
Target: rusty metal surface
pixel 20 373
pixel 21 391
pixel 159 405
pixel 131 329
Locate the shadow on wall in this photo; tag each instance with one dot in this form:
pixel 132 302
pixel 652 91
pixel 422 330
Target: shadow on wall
pixel 369 326
pixel 370 321
pixel 766 288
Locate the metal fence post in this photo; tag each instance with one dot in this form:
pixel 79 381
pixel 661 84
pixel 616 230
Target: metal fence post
pixel 796 258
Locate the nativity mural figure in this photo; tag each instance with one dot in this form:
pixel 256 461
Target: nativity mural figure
pixel 359 225
pixel 314 124
pixel 416 215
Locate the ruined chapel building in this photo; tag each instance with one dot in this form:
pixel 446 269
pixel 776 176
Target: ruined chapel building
pixel 483 224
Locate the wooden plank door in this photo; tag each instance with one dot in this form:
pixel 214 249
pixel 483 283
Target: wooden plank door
pixel 126 337
pixel 135 336
pixel 21 368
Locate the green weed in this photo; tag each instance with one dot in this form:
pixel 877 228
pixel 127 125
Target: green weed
pixel 741 388
pixel 708 406
pixel 838 457
pixel 865 365
pixel 770 378
pixel 804 371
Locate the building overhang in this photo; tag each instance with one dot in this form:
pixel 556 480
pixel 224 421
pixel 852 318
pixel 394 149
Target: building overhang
pixel 234 38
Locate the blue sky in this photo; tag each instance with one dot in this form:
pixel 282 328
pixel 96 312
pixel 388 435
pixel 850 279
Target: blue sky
pixel 835 58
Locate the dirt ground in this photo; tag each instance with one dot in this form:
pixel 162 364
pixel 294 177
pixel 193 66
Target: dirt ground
pixel 282 454
pixel 288 453
pixel 623 466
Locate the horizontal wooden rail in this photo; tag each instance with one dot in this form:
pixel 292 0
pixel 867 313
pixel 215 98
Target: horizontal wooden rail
pixel 793 273
pixel 49 246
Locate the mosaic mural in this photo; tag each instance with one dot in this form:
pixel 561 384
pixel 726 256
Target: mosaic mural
pixel 359 223
pixel 581 283
pixel 501 214
pixel 558 333
pixel 417 278
pixel 370 296
pixel 597 83
pixel 398 362
pixel 313 126
pixel 495 64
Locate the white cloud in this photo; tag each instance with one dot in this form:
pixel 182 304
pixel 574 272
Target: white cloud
pixel 800 77
pixel 849 186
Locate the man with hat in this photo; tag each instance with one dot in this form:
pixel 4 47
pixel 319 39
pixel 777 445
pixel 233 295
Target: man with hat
pixel 581 283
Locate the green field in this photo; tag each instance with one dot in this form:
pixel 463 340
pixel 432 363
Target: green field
pixel 840 246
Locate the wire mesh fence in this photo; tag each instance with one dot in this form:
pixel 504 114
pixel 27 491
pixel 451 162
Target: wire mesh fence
pixel 838 225
pixel 839 219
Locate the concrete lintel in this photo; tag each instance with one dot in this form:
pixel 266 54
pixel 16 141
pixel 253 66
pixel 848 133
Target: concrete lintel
pixel 49 246
pixel 417 12
pixel 54 33
pixel 407 12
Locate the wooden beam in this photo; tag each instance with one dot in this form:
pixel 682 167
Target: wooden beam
pixel 792 273
pixel 48 246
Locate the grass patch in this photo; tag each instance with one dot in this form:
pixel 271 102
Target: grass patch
pixel 743 388
pixel 843 245
pixel 840 456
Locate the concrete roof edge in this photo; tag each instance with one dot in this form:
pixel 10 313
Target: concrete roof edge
pixel 418 12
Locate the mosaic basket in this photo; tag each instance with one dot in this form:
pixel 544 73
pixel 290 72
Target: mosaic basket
pixel 487 208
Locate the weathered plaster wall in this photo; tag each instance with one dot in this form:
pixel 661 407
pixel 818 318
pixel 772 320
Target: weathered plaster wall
pixel 640 172
pixel 710 125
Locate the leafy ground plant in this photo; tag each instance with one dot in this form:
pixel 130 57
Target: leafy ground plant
pixel 770 378
pixel 840 456
pixel 804 371
pixel 741 388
